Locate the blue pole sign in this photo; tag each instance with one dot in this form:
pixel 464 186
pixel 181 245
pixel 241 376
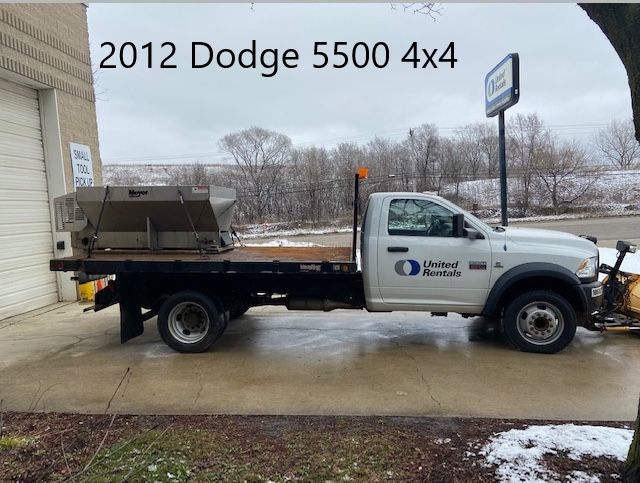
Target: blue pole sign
pixel 502 85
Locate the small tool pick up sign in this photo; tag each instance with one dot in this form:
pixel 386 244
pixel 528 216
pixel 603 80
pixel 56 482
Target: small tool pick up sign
pixel 81 164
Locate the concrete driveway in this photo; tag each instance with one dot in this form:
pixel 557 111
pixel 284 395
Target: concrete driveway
pixel 346 362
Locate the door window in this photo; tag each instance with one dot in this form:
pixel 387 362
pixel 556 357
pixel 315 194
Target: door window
pixel 415 217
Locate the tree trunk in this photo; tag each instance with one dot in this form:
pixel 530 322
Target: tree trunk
pixel 632 466
pixel 620 23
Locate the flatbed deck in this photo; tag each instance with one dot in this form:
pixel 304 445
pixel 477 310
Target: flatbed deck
pixel 238 260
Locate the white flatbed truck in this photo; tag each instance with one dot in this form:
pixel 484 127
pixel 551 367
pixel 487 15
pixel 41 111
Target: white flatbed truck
pixel 419 252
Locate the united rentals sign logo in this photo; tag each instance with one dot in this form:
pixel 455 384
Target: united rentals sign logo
pixel 502 85
pixel 429 268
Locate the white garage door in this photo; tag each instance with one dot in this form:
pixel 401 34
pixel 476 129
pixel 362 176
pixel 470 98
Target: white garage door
pixel 26 242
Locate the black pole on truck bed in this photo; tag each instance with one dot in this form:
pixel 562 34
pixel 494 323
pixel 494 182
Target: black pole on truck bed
pixel 355 216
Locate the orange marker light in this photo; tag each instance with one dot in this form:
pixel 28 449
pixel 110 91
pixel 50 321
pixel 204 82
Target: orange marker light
pixel 363 173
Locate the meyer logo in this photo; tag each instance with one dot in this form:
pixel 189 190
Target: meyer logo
pixel 407 267
pixel 137 193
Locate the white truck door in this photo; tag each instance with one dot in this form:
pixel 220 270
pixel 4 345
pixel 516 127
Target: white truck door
pixel 421 263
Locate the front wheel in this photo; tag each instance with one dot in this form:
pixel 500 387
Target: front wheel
pixel 539 321
pixel 190 321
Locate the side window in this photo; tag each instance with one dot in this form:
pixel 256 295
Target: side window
pixel 419 218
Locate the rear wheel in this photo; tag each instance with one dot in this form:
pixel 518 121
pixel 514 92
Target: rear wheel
pixel 190 321
pixel 539 321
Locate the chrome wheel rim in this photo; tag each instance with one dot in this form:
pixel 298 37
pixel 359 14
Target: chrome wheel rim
pixel 188 322
pixel 540 323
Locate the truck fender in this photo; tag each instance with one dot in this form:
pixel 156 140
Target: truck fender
pixel 531 271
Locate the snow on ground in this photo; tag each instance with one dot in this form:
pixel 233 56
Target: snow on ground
pixel 519 453
pixel 268 230
pixel 564 216
pixel 272 229
pixel 614 190
pixel 631 261
pixel 154 173
pixel 282 242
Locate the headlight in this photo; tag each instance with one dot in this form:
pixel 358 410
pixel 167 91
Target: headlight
pixel 588 268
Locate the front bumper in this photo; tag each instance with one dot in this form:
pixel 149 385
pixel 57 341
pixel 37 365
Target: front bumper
pixel 592 295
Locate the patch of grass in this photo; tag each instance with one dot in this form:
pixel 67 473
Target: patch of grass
pixel 181 454
pixel 151 456
pixel 12 442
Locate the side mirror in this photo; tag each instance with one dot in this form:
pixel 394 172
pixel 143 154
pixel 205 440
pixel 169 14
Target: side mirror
pixel 458 225
pixel 473 234
pixel 625 246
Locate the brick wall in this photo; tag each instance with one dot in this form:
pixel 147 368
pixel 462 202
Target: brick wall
pixel 49 44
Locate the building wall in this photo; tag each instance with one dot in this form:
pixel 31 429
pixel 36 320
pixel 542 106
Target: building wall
pixel 46 47
pixel 48 44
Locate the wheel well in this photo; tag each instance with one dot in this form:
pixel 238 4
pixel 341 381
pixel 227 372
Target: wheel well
pixel 540 283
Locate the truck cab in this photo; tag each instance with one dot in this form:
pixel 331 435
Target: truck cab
pixel 422 252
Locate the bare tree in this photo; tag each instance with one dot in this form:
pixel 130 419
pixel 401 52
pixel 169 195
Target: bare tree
pixel 193 174
pixel 472 150
pixel 618 145
pixel 261 156
pixel 317 201
pixel 423 146
pixel 490 147
pixel 452 164
pixel 429 9
pixel 527 138
pixel 346 158
pixel 560 171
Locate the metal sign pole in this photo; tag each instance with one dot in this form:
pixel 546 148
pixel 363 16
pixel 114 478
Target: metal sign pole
pixel 501 91
pixel 503 170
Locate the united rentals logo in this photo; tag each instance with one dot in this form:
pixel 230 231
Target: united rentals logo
pixel 430 268
pixel 137 193
pixel 407 267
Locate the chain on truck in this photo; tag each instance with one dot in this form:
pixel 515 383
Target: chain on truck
pixel 175 255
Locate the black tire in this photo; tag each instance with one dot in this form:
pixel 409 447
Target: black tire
pixel 238 311
pixel 539 321
pixel 190 321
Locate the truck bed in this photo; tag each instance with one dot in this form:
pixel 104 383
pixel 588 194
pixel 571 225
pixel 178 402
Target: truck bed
pixel 238 260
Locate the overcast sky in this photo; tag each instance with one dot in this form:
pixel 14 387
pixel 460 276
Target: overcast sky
pixel 570 74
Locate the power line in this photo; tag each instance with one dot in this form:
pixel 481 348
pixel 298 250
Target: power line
pixel 556 128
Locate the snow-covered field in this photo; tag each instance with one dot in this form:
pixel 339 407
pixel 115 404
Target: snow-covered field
pixel 275 230
pixel 519 453
pixel 283 242
pixel 613 191
pixel 149 174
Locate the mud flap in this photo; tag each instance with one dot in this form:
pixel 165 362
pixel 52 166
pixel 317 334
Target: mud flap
pixel 131 320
